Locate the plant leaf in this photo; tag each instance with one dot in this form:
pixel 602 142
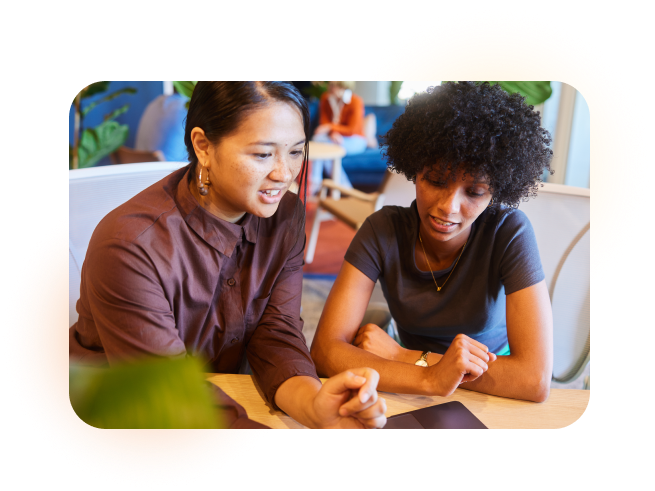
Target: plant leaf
pixel 169 393
pixel 316 89
pixel 394 88
pixel 94 89
pixel 116 112
pixel 535 92
pixel 185 88
pixel 109 97
pixel 98 142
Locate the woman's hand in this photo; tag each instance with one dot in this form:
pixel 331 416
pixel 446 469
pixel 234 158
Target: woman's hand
pixel 323 128
pixel 336 137
pixel 465 360
pixel 373 339
pixel 350 400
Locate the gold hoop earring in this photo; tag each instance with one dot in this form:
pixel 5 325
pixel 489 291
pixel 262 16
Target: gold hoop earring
pixel 203 186
pixel 491 202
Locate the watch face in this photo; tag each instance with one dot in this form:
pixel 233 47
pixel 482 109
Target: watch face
pixel 422 363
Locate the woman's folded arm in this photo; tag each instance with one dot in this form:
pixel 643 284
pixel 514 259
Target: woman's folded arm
pixel 333 351
pixel 340 344
pixel 527 371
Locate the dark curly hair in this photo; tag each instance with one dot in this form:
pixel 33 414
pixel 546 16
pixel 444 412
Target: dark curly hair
pixel 476 128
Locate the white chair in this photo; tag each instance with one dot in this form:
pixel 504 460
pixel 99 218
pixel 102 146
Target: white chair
pixel 560 216
pixel 93 193
pixel 355 206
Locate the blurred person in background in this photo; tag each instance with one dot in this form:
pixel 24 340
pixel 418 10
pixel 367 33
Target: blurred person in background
pixel 208 261
pixel 341 121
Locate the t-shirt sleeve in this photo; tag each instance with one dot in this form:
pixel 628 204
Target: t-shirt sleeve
pixel 520 263
pixel 370 245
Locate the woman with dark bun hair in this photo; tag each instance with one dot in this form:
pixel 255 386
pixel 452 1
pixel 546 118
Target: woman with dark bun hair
pixel 208 261
pixel 460 268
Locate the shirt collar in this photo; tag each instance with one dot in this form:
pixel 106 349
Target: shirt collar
pixel 219 234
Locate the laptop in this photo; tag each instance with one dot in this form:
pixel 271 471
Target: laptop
pixel 450 415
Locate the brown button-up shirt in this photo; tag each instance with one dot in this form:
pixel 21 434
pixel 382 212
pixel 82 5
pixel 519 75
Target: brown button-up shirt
pixel 163 277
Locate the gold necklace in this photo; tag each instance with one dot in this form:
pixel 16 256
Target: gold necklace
pixel 430 267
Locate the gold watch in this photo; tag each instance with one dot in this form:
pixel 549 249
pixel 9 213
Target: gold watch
pixel 423 360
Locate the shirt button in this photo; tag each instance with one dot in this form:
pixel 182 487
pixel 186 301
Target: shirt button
pixel 235 340
pixel 231 282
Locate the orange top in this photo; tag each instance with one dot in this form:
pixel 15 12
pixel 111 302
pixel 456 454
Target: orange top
pixel 351 119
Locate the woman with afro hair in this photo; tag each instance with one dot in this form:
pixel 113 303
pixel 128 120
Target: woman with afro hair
pixel 459 268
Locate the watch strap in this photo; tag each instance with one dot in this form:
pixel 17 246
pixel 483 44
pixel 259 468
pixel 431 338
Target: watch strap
pixel 423 359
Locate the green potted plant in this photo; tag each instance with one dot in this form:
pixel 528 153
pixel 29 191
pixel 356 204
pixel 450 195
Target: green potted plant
pixel 90 145
pixel 535 92
pixel 316 89
pixel 394 89
pixel 185 89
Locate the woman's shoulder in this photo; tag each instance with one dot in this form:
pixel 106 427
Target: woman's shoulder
pixel 133 218
pixel 392 221
pixel 503 217
pixel 290 214
pixel 290 208
pixel 354 98
pixel 503 226
pixel 285 229
pixel 393 212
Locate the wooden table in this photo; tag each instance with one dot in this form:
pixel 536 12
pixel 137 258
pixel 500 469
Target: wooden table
pixel 329 151
pixel 563 407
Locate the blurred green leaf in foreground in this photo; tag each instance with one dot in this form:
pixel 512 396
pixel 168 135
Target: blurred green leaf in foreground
pixel 157 393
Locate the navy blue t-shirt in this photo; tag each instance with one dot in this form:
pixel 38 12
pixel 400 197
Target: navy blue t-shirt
pixel 500 258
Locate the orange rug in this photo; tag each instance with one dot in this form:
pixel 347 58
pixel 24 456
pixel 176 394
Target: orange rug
pixel 333 240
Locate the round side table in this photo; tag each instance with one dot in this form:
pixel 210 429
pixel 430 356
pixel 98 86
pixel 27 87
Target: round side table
pixel 329 151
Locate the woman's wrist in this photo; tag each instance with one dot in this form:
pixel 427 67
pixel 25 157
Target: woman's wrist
pixel 431 382
pixel 434 358
pixel 405 355
pixel 412 356
pixel 296 397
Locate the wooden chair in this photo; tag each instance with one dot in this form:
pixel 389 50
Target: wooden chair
pixel 125 155
pixel 355 206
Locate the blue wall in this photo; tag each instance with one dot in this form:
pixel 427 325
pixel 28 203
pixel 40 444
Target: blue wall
pixel 146 92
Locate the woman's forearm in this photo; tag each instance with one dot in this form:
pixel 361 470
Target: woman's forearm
pixel 412 356
pixel 296 398
pixel 508 376
pixel 395 376
pixel 512 377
